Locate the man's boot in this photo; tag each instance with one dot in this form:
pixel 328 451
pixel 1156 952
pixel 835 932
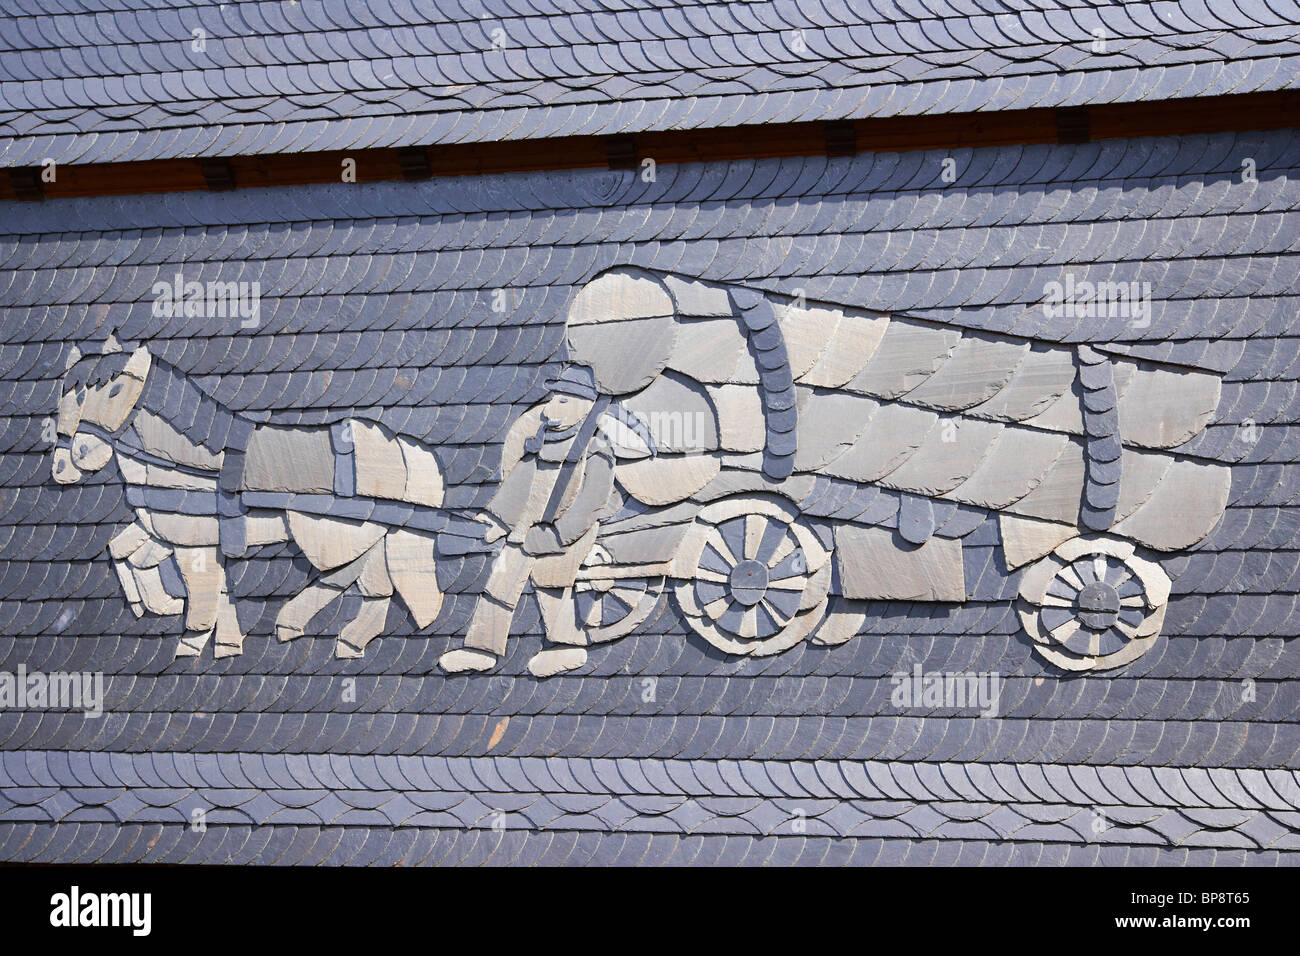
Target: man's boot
pixel 569 640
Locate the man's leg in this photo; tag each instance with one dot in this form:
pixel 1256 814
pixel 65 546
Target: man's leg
pixel 558 617
pixel 489 628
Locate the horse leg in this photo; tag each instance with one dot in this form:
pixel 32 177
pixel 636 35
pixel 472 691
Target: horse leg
pixel 298 611
pixel 292 620
pixel 376 587
pixel 200 574
pixel 124 544
pixel 412 570
pixel 207 604
pixel 363 628
pixel 230 639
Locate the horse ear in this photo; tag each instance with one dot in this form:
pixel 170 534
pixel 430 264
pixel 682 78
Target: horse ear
pixel 111 345
pixel 74 356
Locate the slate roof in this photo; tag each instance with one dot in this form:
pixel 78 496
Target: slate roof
pixel 364 810
pixel 123 79
pixel 377 303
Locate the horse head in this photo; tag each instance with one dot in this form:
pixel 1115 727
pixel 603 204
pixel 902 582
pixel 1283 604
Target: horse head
pixel 99 394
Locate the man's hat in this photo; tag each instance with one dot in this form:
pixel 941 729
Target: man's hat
pixel 575 380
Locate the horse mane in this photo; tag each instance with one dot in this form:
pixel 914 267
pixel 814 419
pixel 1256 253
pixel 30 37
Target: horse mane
pixel 94 370
pixel 174 397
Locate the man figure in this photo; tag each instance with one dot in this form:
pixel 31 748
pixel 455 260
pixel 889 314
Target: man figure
pixel 558 484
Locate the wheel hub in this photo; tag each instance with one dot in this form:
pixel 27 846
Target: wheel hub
pixel 1098 606
pixel 748 582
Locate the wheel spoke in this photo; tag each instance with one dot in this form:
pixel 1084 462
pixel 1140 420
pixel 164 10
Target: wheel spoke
pixel 731 619
pixel 588 605
pixel 1063 632
pixel 755 525
pixel 713 610
pixel 1132 616
pixel 793 585
pixel 1062 589
pixel 1068 575
pixel 1131 588
pixel 793 565
pixel 767 624
pixel 710 591
pixel 716 560
pixel 1074 638
pixel 614 609
pixel 1054 617
pixel 1110 641
pixel 1118 574
pixel 773 535
pixel 783 603
pixel 733 533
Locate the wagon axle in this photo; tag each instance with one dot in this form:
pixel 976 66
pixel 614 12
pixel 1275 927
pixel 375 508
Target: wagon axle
pixel 748 582
pixel 1098 606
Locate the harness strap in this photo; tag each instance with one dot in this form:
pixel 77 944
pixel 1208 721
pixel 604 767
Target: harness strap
pixel 102 433
pixel 232 534
pixel 576 451
pixel 129 449
pixel 633 421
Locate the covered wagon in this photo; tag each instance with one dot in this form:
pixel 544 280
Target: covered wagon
pixel 779 463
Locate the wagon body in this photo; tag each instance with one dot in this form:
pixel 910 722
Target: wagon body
pixel 891 438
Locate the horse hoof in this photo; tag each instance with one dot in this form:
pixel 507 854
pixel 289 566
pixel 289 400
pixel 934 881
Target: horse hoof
pixel 556 660
pixel 191 646
pixel 458 662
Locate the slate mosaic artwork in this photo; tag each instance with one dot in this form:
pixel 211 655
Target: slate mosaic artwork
pixel 934 507
pixel 671 447
pixel 664 746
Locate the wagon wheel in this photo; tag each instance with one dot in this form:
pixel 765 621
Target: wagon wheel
pixel 753 577
pixel 608 608
pixel 1093 604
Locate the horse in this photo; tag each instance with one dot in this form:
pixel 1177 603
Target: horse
pixel 209 484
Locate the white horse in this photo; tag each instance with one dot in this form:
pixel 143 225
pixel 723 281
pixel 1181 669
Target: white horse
pixel 207 484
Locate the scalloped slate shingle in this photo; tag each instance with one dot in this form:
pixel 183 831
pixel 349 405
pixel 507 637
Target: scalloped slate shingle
pixel 377 302
pixel 131 81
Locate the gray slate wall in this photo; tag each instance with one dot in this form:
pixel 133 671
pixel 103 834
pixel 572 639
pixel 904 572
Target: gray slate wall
pixel 377 303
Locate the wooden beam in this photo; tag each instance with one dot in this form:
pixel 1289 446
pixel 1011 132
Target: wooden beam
pixel 1073 124
pixel 620 151
pixel 25 184
pixel 217 174
pixel 1220 114
pixel 841 138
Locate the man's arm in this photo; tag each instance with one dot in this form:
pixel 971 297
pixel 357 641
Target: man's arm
pixel 593 496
